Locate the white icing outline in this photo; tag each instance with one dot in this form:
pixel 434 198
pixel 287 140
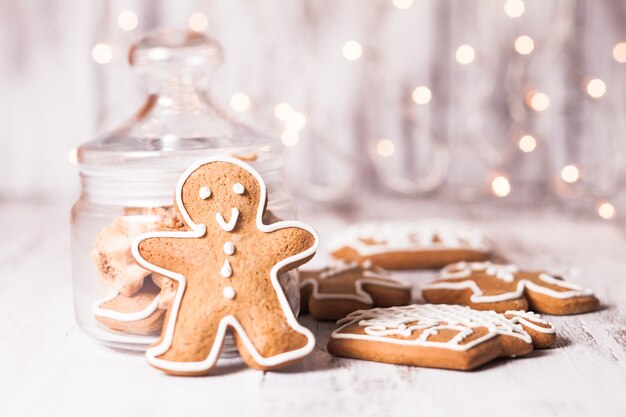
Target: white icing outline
pixel 232 222
pixel 465 269
pixel 409 237
pixel 380 323
pixel 199 230
pixel 116 315
pixel 524 318
pixel 369 277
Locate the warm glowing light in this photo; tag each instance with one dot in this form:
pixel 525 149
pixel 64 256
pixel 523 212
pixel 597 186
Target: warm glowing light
pixel 198 22
pixel 606 210
pixel 102 53
pixel 352 50
pixel 596 88
pixel 422 95
pixel 570 174
pixel 385 148
pixel 524 45
pixel 127 20
pixel 527 143
pixel 514 8
pixel 290 138
pixel 295 122
pixel 501 186
pixel 465 54
pixel 402 4
pixel 72 156
pixel 240 102
pixel 619 52
pixel 282 111
pixel 539 101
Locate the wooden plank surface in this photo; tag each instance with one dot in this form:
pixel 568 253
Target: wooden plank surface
pixel 48 367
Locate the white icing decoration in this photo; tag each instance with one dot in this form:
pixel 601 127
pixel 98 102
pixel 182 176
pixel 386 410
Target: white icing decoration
pixel 380 323
pixel 464 269
pixel 530 319
pixel 116 315
pixel 226 270
pixel 229 292
pixel 238 188
pixel 234 215
pixel 205 192
pixel 199 230
pixel 369 277
pixel 409 237
pixel 229 248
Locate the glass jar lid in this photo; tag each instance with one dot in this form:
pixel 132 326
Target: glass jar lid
pixel 177 124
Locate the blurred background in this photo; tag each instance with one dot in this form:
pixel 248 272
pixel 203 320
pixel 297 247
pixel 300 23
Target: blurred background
pixel 518 102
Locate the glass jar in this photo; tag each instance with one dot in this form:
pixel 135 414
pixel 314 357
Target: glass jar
pixel 128 179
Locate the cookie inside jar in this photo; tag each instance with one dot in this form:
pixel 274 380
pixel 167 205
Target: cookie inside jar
pixel 137 298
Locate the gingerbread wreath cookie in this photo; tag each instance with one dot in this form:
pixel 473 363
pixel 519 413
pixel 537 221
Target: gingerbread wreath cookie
pixel 333 292
pixel 487 286
pixel 438 336
pixel 226 267
pixel 408 245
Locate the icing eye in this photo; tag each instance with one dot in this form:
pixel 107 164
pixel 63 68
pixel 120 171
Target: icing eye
pixel 205 192
pixel 238 188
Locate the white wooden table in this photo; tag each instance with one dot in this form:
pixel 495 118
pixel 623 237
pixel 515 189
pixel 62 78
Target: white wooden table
pixel 48 367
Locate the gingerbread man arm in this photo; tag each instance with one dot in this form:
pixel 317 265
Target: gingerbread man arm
pixel 148 250
pixel 290 239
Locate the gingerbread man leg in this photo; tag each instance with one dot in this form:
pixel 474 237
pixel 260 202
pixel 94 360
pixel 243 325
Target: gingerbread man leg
pixel 276 336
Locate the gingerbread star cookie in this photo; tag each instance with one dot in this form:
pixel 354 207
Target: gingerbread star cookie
pixel 410 245
pixel 333 292
pixel 227 267
pixel 488 286
pixel 438 336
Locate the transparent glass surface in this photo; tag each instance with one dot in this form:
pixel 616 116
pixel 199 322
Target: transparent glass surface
pixel 128 177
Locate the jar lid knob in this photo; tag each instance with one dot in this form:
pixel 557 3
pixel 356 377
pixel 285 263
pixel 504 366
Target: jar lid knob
pixel 167 52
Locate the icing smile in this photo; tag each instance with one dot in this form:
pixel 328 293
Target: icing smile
pixel 230 225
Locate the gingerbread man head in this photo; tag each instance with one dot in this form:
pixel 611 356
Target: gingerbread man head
pixel 229 193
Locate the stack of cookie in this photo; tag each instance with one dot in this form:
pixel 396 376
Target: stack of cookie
pixel 479 310
pixel 138 298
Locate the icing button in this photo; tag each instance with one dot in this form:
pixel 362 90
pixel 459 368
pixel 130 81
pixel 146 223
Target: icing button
pixel 229 248
pixel 229 292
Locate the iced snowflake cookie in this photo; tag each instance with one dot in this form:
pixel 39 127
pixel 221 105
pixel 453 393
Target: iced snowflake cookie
pixel 333 292
pixel 408 245
pixel 226 266
pixel 140 313
pixel 438 336
pixel 487 286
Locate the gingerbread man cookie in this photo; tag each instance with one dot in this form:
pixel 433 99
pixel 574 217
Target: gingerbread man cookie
pixel 226 267
pixel 333 292
pixel 488 286
pixel 438 336
pixel 409 245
